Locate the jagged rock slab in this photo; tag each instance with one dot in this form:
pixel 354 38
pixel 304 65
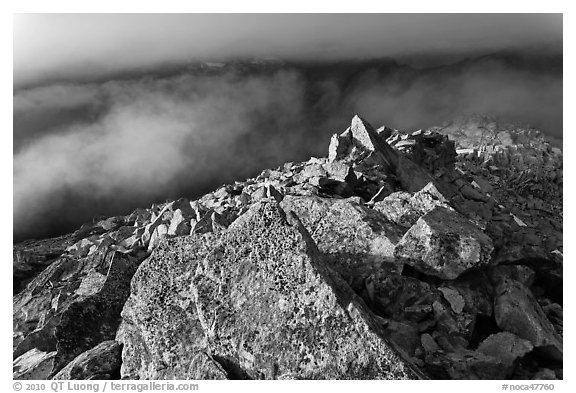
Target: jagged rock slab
pixel 73 305
pixel 34 364
pixel 259 302
pixel 517 311
pixel 444 244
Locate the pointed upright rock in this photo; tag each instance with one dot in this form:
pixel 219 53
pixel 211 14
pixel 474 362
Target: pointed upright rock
pixel 363 134
pixel 362 145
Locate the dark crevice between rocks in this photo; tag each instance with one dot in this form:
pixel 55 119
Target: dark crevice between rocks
pixel 532 363
pixel 483 328
pixel 232 369
pixel 409 271
pixel 435 371
pixel 547 357
pixel 114 374
pixel 548 277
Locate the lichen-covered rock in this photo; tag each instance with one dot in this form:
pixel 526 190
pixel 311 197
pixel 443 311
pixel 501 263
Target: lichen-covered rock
pixel 357 240
pixel 257 302
pixel 101 362
pixel 444 244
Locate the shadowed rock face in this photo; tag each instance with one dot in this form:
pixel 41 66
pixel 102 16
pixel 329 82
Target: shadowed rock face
pixel 355 239
pixel 518 312
pixel 72 306
pixel 31 257
pixel 388 259
pixel 264 304
pixel 101 362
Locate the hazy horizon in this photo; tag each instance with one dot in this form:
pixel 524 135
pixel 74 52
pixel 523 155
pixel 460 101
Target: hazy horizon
pixel 82 45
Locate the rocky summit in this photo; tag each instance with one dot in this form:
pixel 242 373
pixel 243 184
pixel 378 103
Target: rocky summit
pixel 435 254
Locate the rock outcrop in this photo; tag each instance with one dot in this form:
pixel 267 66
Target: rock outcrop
pixel 261 303
pixel 444 244
pixel 431 254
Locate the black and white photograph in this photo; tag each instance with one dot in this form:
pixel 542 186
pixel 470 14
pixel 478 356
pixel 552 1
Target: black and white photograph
pixel 286 196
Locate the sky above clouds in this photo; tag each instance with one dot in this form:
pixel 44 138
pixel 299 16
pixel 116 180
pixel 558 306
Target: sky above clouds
pixel 82 45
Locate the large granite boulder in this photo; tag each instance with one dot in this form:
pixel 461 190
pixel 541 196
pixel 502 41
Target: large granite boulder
pixel 443 243
pixel 257 302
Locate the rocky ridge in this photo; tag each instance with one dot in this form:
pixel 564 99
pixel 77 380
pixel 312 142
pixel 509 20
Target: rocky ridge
pixel 433 254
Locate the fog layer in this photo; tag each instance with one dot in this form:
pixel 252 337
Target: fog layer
pixel 83 150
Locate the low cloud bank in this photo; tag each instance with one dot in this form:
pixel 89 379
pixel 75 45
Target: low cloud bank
pixel 83 150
